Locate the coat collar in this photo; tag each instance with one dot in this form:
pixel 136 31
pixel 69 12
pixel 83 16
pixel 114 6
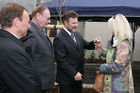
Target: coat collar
pixel 6 34
pixel 38 30
pixel 118 42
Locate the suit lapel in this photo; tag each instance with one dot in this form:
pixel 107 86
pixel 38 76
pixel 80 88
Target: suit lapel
pixel 77 40
pixel 49 42
pixel 38 30
pixel 40 33
pixel 67 36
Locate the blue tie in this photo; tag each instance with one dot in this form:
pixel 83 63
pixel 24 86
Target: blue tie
pixel 44 32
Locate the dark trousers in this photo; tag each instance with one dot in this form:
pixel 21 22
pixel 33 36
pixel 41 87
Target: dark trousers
pixel 75 87
pixel 46 91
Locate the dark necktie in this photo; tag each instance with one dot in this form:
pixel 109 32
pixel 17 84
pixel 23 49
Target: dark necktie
pixel 73 38
pixel 46 37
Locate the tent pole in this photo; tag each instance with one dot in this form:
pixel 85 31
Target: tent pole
pixel 60 15
pixel 134 28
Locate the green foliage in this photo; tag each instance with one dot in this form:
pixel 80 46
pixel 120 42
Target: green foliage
pixel 95 57
pixel 100 57
pixel 92 56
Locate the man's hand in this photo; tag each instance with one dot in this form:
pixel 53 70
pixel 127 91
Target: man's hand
pixel 97 41
pixel 98 44
pixel 78 76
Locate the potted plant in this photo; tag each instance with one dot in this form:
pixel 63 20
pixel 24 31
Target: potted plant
pixel 94 58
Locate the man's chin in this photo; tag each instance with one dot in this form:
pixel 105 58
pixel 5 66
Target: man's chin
pixel 23 35
pixel 74 30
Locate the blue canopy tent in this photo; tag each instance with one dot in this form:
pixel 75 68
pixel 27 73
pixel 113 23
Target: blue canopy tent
pixel 98 10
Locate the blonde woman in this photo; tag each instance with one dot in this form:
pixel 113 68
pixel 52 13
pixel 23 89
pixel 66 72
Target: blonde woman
pixel 117 70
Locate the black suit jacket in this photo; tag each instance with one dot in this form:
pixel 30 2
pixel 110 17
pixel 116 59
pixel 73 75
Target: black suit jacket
pixel 40 49
pixel 17 72
pixel 69 56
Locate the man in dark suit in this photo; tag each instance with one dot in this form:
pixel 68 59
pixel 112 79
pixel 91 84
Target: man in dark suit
pixel 69 53
pixel 39 46
pixel 17 72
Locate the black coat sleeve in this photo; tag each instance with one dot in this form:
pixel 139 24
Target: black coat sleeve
pixel 86 45
pixel 18 73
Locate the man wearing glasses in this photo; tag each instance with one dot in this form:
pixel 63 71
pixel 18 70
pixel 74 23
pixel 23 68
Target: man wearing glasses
pixel 39 46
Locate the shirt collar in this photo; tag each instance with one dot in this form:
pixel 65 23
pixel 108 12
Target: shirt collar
pixel 67 31
pixel 36 24
pixel 15 36
pixel 115 41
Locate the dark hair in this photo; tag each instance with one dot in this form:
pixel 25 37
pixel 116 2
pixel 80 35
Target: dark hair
pixel 38 9
pixel 9 12
pixel 69 14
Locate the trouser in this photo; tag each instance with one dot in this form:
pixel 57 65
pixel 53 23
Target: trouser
pixel 46 91
pixel 75 87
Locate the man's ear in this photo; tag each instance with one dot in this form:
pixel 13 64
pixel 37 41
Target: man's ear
pixel 65 22
pixel 16 22
pixel 38 15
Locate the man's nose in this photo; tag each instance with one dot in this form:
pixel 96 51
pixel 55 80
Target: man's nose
pixel 49 21
pixel 29 26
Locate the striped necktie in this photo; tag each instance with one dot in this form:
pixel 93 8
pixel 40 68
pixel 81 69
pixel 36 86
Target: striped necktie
pixel 73 37
pixel 44 32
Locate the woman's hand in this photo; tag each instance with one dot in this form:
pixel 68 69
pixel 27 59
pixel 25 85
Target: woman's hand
pixel 98 44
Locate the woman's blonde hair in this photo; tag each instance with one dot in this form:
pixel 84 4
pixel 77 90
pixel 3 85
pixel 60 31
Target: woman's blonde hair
pixel 120 27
